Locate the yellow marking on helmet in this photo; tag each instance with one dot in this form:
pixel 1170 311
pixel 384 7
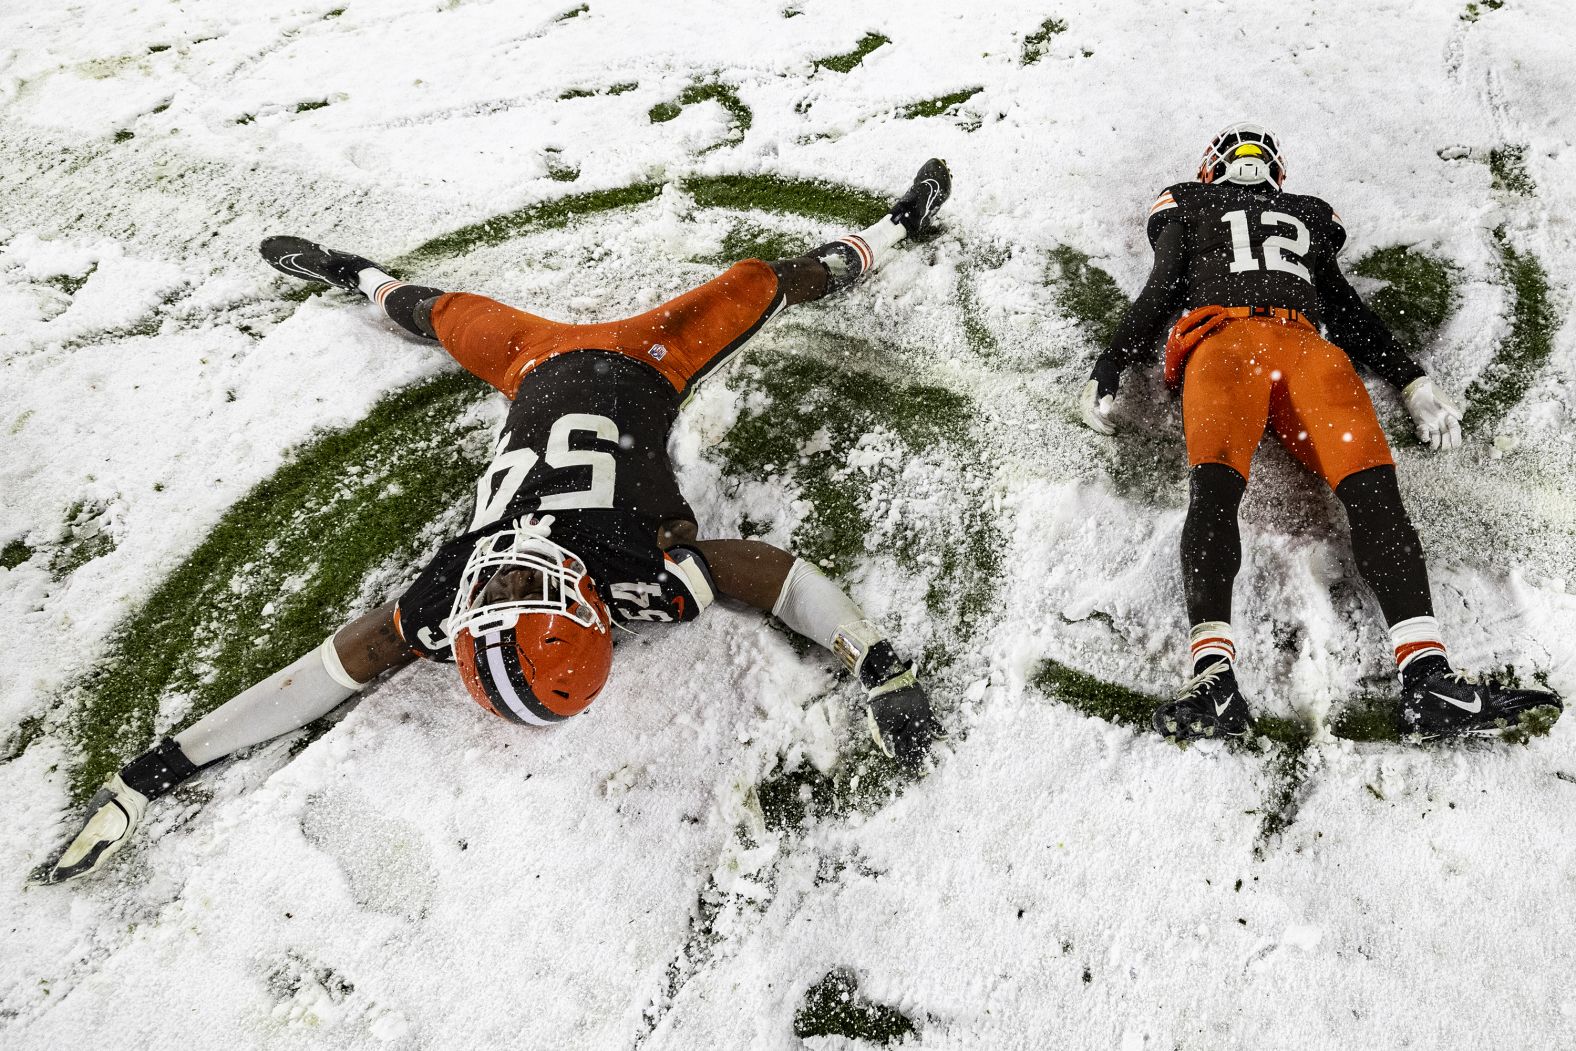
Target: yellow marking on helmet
pixel 1247 149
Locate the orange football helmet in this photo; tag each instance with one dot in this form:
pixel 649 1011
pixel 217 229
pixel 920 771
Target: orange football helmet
pixel 537 657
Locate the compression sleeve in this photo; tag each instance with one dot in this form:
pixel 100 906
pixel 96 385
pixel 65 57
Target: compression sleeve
pixel 1138 335
pixel 287 700
pixel 1356 329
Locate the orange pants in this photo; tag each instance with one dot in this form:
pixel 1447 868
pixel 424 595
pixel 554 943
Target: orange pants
pixel 684 339
pixel 1252 371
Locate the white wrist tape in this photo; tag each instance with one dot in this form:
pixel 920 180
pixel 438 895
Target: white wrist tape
pixel 816 608
pixel 287 700
pixel 690 567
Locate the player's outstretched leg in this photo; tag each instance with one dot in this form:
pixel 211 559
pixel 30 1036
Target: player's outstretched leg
pixel 1436 700
pixel 835 266
pixel 408 306
pixel 1209 704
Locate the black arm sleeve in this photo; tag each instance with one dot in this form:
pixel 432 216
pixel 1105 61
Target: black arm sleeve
pixel 1356 329
pixel 1139 333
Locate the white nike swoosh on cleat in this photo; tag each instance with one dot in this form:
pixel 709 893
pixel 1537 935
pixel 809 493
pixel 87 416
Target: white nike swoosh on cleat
pixel 1220 709
pixel 1473 708
pixel 287 263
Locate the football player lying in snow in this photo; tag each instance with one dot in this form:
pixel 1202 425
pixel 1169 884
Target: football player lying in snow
pixel 1254 272
pixel 579 522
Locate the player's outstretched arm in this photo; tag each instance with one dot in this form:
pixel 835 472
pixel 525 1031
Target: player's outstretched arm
pixel 1356 329
pixel 801 596
pixel 287 700
pixel 1139 331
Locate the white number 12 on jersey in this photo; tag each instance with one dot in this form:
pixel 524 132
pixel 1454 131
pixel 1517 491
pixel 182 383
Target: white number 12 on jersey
pixel 1274 245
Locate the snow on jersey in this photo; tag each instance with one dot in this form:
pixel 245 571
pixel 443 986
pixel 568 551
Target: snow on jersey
pixel 1246 247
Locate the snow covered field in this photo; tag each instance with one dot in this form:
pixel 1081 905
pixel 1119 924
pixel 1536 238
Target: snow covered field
pixel 690 864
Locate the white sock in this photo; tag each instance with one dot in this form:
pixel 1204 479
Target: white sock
pixel 376 285
pixel 287 700
pixel 1416 637
pixel 816 608
pixel 1212 638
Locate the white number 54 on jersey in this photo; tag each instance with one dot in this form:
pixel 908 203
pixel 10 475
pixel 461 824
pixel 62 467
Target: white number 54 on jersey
pixel 510 467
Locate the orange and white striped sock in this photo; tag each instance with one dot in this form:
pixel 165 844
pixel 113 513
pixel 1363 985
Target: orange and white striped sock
pixel 1211 641
pixel 376 285
pixel 849 258
pixel 1416 637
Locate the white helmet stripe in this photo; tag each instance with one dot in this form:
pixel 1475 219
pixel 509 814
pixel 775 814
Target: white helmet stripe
pixel 500 681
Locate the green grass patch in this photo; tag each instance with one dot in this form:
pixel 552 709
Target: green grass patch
pixel 308 107
pixel 1095 697
pixel 1420 295
pixel 1038 42
pixel 14 554
pixel 335 13
pixel 1520 357
pixel 573 12
pixel 621 88
pixel 747 240
pixel 300 544
pixel 723 95
pixel 1288 775
pixel 941 105
pixel 834 1006
pixel 1087 293
pixel 976 332
pixel 866 781
pixel 82 539
pixel 1476 11
pixel 1508 166
pixel 849 59
pixel 154 49
pixel 804 433
pixel 70 284
pixel 546 215
pixel 557 169
pixel 1369 718
pixel 28 730
pixel 801 197
pixel 125 136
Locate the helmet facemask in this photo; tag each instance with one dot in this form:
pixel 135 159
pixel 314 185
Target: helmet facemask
pixel 1245 154
pixel 557 579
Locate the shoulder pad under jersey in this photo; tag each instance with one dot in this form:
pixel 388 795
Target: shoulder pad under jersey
pixel 1162 211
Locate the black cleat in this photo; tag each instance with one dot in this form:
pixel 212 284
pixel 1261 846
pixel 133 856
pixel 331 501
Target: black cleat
pixel 301 258
pixel 932 186
pixel 1208 705
pixel 1448 704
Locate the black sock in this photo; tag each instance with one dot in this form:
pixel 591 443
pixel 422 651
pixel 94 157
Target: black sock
pixel 1388 552
pixel 410 307
pixel 158 770
pixel 1211 541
